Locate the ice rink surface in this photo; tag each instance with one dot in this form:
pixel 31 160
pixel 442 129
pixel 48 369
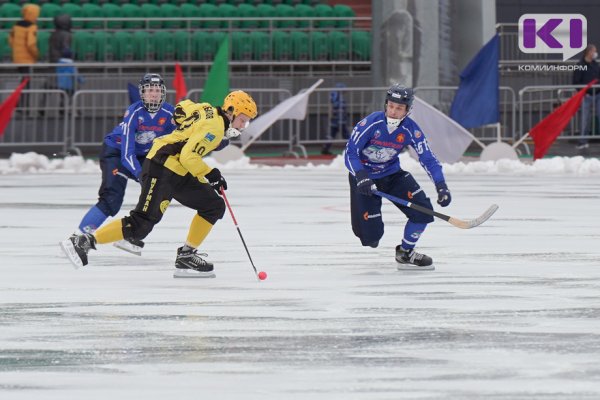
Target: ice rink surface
pixel 511 312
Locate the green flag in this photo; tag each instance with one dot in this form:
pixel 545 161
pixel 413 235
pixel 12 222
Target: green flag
pixel 216 86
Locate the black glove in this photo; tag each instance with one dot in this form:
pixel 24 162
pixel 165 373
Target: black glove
pixel 216 180
pixel 364 185
pixel 444 197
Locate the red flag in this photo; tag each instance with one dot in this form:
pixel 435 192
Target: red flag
pixel 548 129
pixel 179 84
pixel 9 105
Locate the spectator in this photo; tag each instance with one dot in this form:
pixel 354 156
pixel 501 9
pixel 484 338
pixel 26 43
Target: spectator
pixel 338 117
pixel 23 41
pixel 67 77
pixel 60 39
pixel 591 101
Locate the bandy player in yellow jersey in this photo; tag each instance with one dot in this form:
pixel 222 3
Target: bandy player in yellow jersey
pixel 175 169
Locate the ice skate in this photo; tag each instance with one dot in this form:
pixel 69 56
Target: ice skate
pixel 131 245
pixel 410 260
pixel 77 247
pixel 189 264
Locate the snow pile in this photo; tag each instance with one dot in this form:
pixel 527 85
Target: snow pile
pixel 37 163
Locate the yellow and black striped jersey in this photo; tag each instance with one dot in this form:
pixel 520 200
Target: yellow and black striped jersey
pixel 201 127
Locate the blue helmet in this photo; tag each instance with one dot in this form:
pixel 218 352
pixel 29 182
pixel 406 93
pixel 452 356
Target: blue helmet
pixel 152 80
pixel 401 95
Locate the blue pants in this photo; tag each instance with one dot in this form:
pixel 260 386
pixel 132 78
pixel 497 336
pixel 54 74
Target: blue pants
pixel 114 180
pixel 590 108
pixel 367 223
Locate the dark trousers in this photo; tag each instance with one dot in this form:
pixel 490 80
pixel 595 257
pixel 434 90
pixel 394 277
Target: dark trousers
pixel 367 223
pixel 159 186
pixel 114 180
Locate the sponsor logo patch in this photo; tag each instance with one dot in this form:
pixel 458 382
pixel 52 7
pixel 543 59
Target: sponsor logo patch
pixel 366 216
pixel 418 134
pixel 163 206
pixel 210 137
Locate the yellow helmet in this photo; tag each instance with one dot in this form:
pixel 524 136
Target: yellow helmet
pixel 240 102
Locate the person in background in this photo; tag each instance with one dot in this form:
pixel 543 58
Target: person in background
pixel 60 39
pixel 590 107
pixel 67 77
pixel 23 41
pixel 338 118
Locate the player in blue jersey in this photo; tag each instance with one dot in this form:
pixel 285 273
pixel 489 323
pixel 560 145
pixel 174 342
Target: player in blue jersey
pixel 124 151
pixel 372 157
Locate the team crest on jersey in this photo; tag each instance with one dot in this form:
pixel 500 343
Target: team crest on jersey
pixel 377 134
pixel 140 120
pixel 400 137
pixel 418 134
pixel 161 121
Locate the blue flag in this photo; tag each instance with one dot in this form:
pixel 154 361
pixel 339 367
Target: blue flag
pixel 134 93
pixel 476 101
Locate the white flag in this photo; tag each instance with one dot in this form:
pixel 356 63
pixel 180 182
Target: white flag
pixel 292 108
pixel 448 140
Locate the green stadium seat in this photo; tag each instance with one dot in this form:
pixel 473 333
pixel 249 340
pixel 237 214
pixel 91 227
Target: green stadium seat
pixel 144 46
pixel 84 46
pixel 74 11
pixel 324 11
pixel 209 11
pixel 48 10
pixel 191 10
pixel 242 47
pixel 183 45
pixel 285 11
pixel 171 11
pixel 124 46
pixel 164 45
pixel 343 11
pixel 319 46
pixel 303 11
pixel 202 47
pixel 282 46
pixel 151 11
pixel 112 11
pixel 361 45
pixel 247 11
pixel 227 11
pixel 9 10
pixel 261 44
pixel 90 10
pixel 105 46
pixel 132 11
pixel 300 45
pixel 339 45
pixel 265 11
pixel 5 50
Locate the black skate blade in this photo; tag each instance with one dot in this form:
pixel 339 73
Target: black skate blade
pixel 69 250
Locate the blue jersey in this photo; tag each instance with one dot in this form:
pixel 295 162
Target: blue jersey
pixel 135 134
pixel 373 148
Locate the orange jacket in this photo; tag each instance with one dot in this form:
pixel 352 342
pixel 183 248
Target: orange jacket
pixel 23 36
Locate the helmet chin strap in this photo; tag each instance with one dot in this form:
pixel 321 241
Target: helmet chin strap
pixel 233 133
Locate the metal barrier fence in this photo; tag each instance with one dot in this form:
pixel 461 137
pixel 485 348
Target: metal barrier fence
pixel 39 120
pixel 536 102
pixel 49 119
